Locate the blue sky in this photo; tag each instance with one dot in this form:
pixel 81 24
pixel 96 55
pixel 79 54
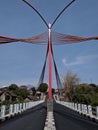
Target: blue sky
pixel 21 63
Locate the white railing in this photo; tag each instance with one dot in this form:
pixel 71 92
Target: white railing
pixel 13 109
pixel 82 108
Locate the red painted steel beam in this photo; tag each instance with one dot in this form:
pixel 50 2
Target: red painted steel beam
pixel 49 63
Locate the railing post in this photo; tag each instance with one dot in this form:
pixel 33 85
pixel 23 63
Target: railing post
pixel 20 107
pixel 97 111
pixel 24 106
pixel 3 111
pixel 79 108
pixel 15 109
pixel 84 109
pixel 72 106
pixel 90 110
pixel 75 106
pixel 11 109
pixel 30 104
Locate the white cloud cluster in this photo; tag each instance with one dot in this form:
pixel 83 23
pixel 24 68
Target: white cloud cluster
pixel 80 60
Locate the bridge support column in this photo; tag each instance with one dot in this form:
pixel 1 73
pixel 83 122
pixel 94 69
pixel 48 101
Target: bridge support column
pixel 50 100
pixel 49 63
pixel 50 105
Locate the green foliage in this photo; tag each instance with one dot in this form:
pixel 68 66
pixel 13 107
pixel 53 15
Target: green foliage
pixel 53 90
pixel 6 102
pixel 19 92
pixel 23 93
pixel 86 93
pixel 13 87
pixel 33 90
pixel 43 87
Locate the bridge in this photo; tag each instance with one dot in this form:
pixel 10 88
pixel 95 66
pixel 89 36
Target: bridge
pixel 34 115
pixel 48 114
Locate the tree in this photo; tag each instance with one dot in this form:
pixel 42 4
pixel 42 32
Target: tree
pixel 13 87
pixel 43 87
pixel 33 90
pixel 53 90
pixel 21 93
pixel 70 82
pixel 86 94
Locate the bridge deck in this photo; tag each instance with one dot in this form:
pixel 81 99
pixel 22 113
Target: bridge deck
pixel 34 119
pixel 67 119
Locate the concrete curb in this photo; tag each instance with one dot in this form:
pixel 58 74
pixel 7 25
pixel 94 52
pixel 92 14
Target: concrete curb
pixel 50 124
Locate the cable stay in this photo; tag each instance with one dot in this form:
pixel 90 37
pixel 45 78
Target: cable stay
pixel 61 12
pixel 39 39
pixel 60 39
pixel 57 39
pixel 41 79
pixel 36 12
pixel 58 80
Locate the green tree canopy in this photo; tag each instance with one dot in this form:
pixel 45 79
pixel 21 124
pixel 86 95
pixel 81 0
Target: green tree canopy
pixel 43 87
pixel 86 93
pixel 20 92
pixel 23 93
pixel 33 90
pixel 13 87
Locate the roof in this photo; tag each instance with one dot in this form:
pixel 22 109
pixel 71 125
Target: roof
pixel 7 93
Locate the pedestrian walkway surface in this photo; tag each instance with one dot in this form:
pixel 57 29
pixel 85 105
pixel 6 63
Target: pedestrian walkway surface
pixel 35 118
pixel 32 119
pixel 67 119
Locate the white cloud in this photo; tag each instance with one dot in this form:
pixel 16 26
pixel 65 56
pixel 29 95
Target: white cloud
pixel 80 60
pixel 64 61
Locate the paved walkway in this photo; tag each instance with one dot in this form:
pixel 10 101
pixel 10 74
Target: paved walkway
pixel 66 119
pixel 32 119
